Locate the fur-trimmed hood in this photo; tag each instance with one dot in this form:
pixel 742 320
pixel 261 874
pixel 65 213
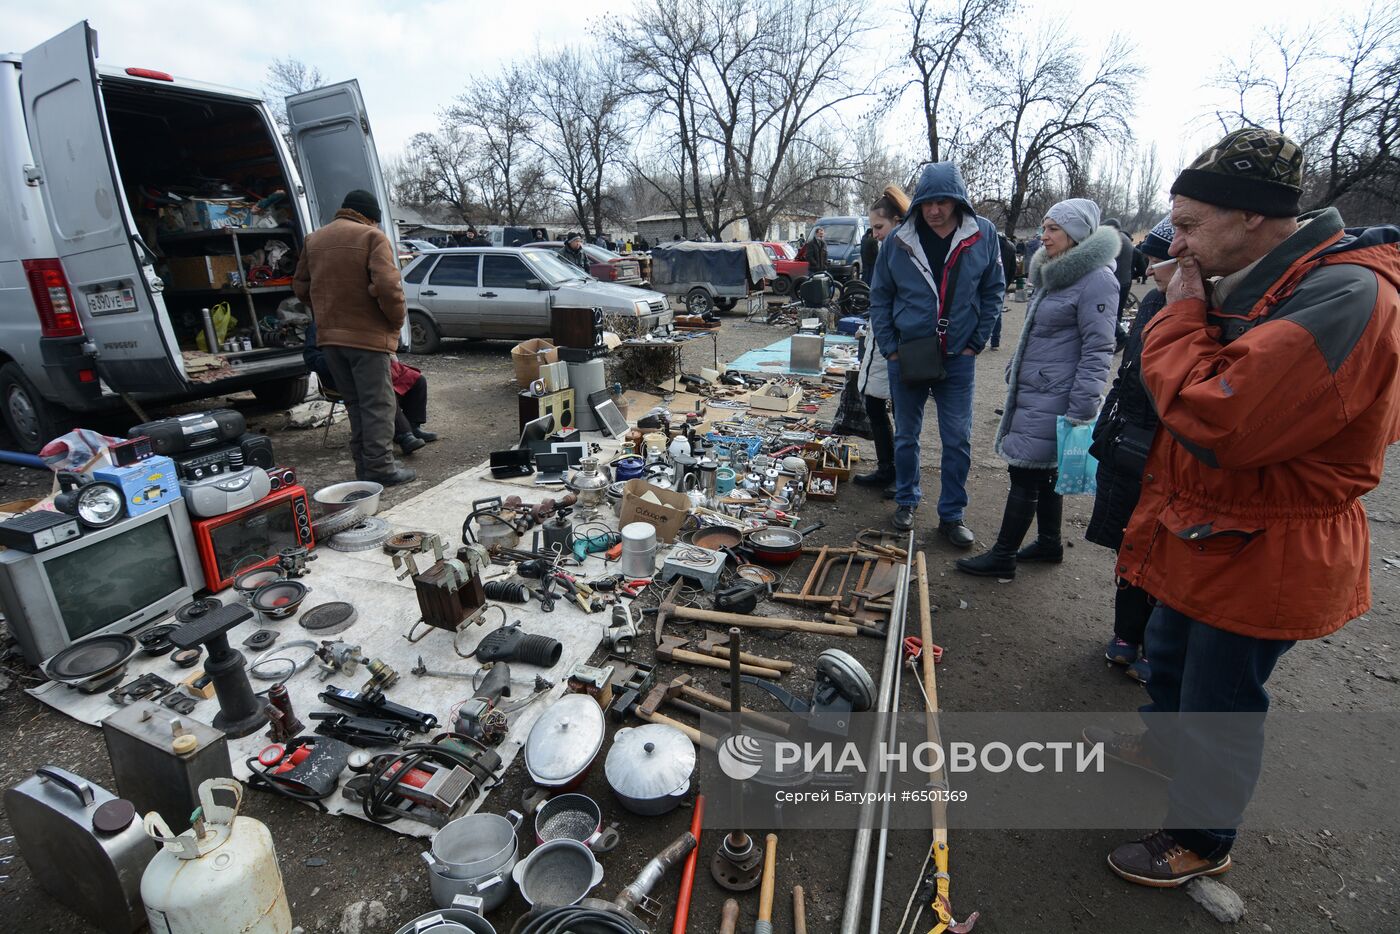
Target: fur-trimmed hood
pixel 1100 248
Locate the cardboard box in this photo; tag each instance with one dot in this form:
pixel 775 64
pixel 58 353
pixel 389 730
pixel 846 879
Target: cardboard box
pixel 528 356
pixel 668 517
pixel 18 506
pixel 205 214
pixel 201 272
pixel 813 477
pixel 768 397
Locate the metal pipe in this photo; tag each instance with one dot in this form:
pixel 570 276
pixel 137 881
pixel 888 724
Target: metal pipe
pixel 636 892
pixel 860 852
pixel 878 891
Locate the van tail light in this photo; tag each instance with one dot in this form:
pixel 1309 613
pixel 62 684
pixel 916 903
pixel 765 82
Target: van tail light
pixel 607 272
pixel 150 73
pixel 48 284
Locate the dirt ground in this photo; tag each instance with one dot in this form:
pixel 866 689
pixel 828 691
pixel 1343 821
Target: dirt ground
pixel 1030 645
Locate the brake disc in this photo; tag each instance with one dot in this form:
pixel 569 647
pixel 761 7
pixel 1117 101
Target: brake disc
pixel 328 525
pixel 405 542
pixel 328 618
pixel 849 677
pixel 369 532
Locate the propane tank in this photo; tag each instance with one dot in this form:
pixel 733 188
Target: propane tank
pixel 218 877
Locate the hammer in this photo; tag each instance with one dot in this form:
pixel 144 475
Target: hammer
pixel 672 649
pixel 689 690
pixel 716 644
pixel 646 712
pixel 668 608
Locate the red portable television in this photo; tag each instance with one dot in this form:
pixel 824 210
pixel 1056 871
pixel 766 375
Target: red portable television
pixel 253 536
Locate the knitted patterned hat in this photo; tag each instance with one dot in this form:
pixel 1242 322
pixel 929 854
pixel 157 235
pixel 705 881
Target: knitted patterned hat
pixel 1251 169
pixel 1159 240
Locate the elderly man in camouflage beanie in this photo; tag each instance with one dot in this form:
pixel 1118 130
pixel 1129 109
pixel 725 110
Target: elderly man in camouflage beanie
pixel 1275 369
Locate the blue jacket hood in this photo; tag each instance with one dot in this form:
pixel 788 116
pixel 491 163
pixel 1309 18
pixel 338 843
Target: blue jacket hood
pixel 941 180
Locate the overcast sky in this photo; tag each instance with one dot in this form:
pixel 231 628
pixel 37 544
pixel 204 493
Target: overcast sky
pixel 411 58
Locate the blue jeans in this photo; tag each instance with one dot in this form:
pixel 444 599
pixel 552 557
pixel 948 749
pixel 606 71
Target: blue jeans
pixel 953 399
pixel 1199 669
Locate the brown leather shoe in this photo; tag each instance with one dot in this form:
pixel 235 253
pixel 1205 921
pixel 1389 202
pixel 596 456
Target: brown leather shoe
pixel 1157 860
pixel 1128 748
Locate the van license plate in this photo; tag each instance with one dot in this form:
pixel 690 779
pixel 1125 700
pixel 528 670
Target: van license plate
pixel 111 301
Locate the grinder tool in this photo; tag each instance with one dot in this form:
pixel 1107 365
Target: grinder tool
pixel 840 687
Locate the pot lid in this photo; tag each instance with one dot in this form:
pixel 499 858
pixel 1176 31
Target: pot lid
pixel 650 761
pixel 565 739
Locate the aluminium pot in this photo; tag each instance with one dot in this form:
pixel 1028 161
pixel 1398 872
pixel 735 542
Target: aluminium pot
pixel 649 768
pixel 564 742
pixel 475 846
pixel 558 873
pixel 492 887
pixel 450 920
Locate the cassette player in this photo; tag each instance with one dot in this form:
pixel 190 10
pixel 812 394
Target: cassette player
pixel 224 493
pixel 250 450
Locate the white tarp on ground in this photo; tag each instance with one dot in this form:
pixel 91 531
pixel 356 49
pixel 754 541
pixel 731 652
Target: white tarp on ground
pixel 387 609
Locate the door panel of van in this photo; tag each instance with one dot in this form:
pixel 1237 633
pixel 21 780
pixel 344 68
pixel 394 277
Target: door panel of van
pixel 92 228
pixel 507 308
pixel 335 154
pixel 450 294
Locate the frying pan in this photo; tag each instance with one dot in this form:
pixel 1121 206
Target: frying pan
pixel 719 538
pixel 777 544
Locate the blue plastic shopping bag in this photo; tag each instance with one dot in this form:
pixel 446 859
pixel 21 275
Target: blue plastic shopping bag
pixel 1078 468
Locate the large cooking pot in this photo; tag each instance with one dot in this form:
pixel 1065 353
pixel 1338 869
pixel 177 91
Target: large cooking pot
pixel 649 768
pixel 564 742
pixel 475 846
pixel 560 872
pixel 492 887
pixel 776 544
pixel 450 920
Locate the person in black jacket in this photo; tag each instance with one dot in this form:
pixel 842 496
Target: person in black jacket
pixel 869 250
pixel 1008 269
pixel 1122 438
pixel 816 252
pixel 573 251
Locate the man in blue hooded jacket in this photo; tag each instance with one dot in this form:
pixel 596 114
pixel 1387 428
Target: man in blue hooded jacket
pixel 938 275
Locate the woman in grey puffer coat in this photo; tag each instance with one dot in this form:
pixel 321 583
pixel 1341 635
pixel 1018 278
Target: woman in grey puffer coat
pixel 1061 364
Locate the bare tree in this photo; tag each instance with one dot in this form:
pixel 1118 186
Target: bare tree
pixel 497 111
pixel 1046 108
pixel 579 102
pixel 437 171
pixel 1335 90
pixel 946 40
pixel 285 77
pixel 1146 207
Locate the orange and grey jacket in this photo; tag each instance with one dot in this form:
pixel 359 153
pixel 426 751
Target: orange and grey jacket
pixel 1277 409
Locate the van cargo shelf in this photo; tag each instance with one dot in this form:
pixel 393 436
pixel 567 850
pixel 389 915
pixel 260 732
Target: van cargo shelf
pixel 221 233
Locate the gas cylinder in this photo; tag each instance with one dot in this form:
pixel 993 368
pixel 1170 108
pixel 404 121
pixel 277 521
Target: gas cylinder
pixel 218 877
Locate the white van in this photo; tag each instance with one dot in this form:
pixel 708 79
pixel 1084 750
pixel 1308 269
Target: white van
pixel 90 313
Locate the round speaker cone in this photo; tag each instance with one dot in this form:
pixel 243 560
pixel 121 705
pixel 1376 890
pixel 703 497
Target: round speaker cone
pixel 197 608
pixel 249 581
pixel 156 640
pixel 328 618
pixel 91 657
pixel 279 599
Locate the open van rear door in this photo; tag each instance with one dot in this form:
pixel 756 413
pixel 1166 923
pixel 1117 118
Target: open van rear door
pixel 335 150
pixel 93 231
pixel 335 154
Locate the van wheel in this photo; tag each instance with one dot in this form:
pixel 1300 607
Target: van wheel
pixel 423 334
pixel 283 393
pixel 698 302
pixel 782 285
pixel 32 420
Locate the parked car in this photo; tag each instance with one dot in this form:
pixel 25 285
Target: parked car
pixel 91 310
pixel 603 264
pixel 842 244
pixel 791 270
pixel 505 293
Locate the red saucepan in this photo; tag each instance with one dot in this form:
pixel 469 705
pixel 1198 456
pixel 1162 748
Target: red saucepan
pixel 778 544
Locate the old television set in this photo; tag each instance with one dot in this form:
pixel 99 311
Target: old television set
pixel 254 536
pixel 108 580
